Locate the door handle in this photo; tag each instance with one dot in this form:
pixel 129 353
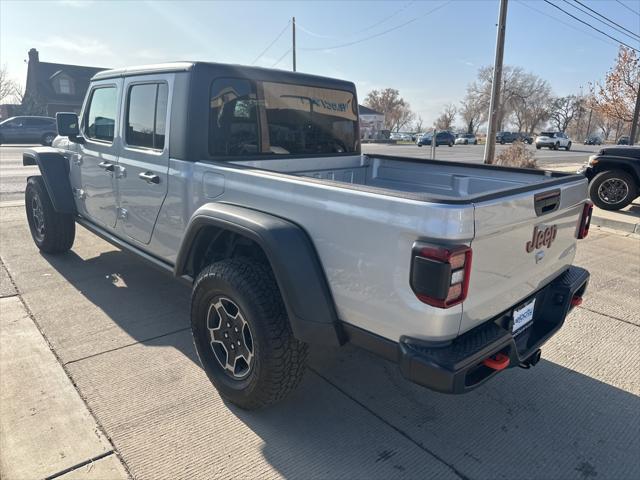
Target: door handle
pixel 108 166
pixel 149 177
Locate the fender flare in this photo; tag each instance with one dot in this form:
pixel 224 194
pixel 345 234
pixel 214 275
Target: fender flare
pixel 54 168
pixel 610 162
pixel 294 261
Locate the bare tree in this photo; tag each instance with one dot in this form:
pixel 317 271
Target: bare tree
pixel 8 87
pixel 473 112
pixel 397 111
pixel 530 102
pixel 525 97
pixel 564 109
pixel 447 117
pixel 419 125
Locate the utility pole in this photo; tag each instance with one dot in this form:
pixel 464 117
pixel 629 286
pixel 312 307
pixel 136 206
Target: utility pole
pixel 293 32
pixel 589 123
pixel 634 121
pixel 494 106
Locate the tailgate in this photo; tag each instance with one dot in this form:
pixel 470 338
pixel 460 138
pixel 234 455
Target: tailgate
pixel 507 266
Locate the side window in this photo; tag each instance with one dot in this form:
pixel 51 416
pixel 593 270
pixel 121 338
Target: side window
pixel 233 118
pixel 146 115
pixel 100 119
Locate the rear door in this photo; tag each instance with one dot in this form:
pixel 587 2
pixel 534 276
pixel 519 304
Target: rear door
pixel 144 159
pixel 521 243
pixel 98 156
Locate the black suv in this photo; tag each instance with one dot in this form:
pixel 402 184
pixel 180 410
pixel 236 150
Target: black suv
pixel 614 176
pixel 510 137
pixel 28 130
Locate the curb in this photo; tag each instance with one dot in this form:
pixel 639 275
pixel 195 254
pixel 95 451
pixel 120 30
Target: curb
pixel 616 224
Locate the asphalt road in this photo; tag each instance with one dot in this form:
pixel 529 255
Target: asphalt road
pixel 121 330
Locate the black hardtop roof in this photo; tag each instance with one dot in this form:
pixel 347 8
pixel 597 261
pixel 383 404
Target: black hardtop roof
pixel 225 69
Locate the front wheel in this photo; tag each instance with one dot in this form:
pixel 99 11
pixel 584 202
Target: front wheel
pixel 242 334
pixel 613 189
pixel 538 147
pixel 52 232
pixel 568 147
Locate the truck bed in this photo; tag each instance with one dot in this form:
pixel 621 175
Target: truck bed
pixel 422 180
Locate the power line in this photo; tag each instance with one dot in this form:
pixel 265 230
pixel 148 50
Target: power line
pixel 590 26
pixel 379 22
pixel 280 59
pixel 570 25
pixel 348 44
pixel 271 44
pixel 628 7
pixel 613 24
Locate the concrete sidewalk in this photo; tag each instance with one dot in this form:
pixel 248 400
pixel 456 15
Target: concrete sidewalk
pixel 46 430
pixel 626 220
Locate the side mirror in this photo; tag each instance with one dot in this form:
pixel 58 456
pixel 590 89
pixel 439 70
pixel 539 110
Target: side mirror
pixel 67 124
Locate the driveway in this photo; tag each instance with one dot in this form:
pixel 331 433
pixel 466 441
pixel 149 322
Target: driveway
pixel 121 330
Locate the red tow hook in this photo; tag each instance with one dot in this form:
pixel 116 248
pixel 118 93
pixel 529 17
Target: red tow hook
pixel 576 301
pixel 499 361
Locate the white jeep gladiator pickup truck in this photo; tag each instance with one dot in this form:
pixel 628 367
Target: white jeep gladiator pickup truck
pixel 249 185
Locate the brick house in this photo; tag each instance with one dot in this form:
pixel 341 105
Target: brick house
pixel 54 87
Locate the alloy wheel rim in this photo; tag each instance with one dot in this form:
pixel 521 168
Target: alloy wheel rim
pixel 230 338
pixel 37 214
pixel 613 190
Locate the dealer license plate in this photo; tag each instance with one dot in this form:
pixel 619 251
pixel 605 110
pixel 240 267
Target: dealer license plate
pixel 523 316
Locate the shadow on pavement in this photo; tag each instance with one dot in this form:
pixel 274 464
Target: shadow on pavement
pixel 548 422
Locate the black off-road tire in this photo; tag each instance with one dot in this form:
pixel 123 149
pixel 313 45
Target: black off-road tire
pixel 52 232
pixel 279 359
pixel 613 175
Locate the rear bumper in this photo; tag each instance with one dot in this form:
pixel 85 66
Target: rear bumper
pixel 457 367
pixel 545 144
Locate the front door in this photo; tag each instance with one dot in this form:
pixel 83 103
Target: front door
pixel 98 155
pixel 144 159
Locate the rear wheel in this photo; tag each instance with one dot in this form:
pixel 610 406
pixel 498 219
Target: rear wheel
pixel 538 147
pixel 52 232
pixel 242 334
pixel 556 146
pixel 613 189
pixel 451 144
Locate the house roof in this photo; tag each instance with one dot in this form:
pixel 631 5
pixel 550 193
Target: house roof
pixel 362 110
pixel 46 72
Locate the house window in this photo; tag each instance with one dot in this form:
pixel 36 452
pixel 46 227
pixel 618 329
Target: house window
pixel 64 85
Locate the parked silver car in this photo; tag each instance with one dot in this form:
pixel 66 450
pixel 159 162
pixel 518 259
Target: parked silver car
pixel 466 139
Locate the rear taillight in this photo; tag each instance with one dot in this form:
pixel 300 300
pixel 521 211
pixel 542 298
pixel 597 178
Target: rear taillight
pixel 440 275
pixel 585 221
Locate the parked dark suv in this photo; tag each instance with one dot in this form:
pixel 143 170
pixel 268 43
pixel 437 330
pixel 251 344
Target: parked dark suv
pixel 510 137
pixel 442 138
pixel 28 130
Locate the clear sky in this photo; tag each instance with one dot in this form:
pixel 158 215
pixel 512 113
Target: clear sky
pixel 430 59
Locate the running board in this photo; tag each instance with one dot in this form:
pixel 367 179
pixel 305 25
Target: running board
pixel 138 252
